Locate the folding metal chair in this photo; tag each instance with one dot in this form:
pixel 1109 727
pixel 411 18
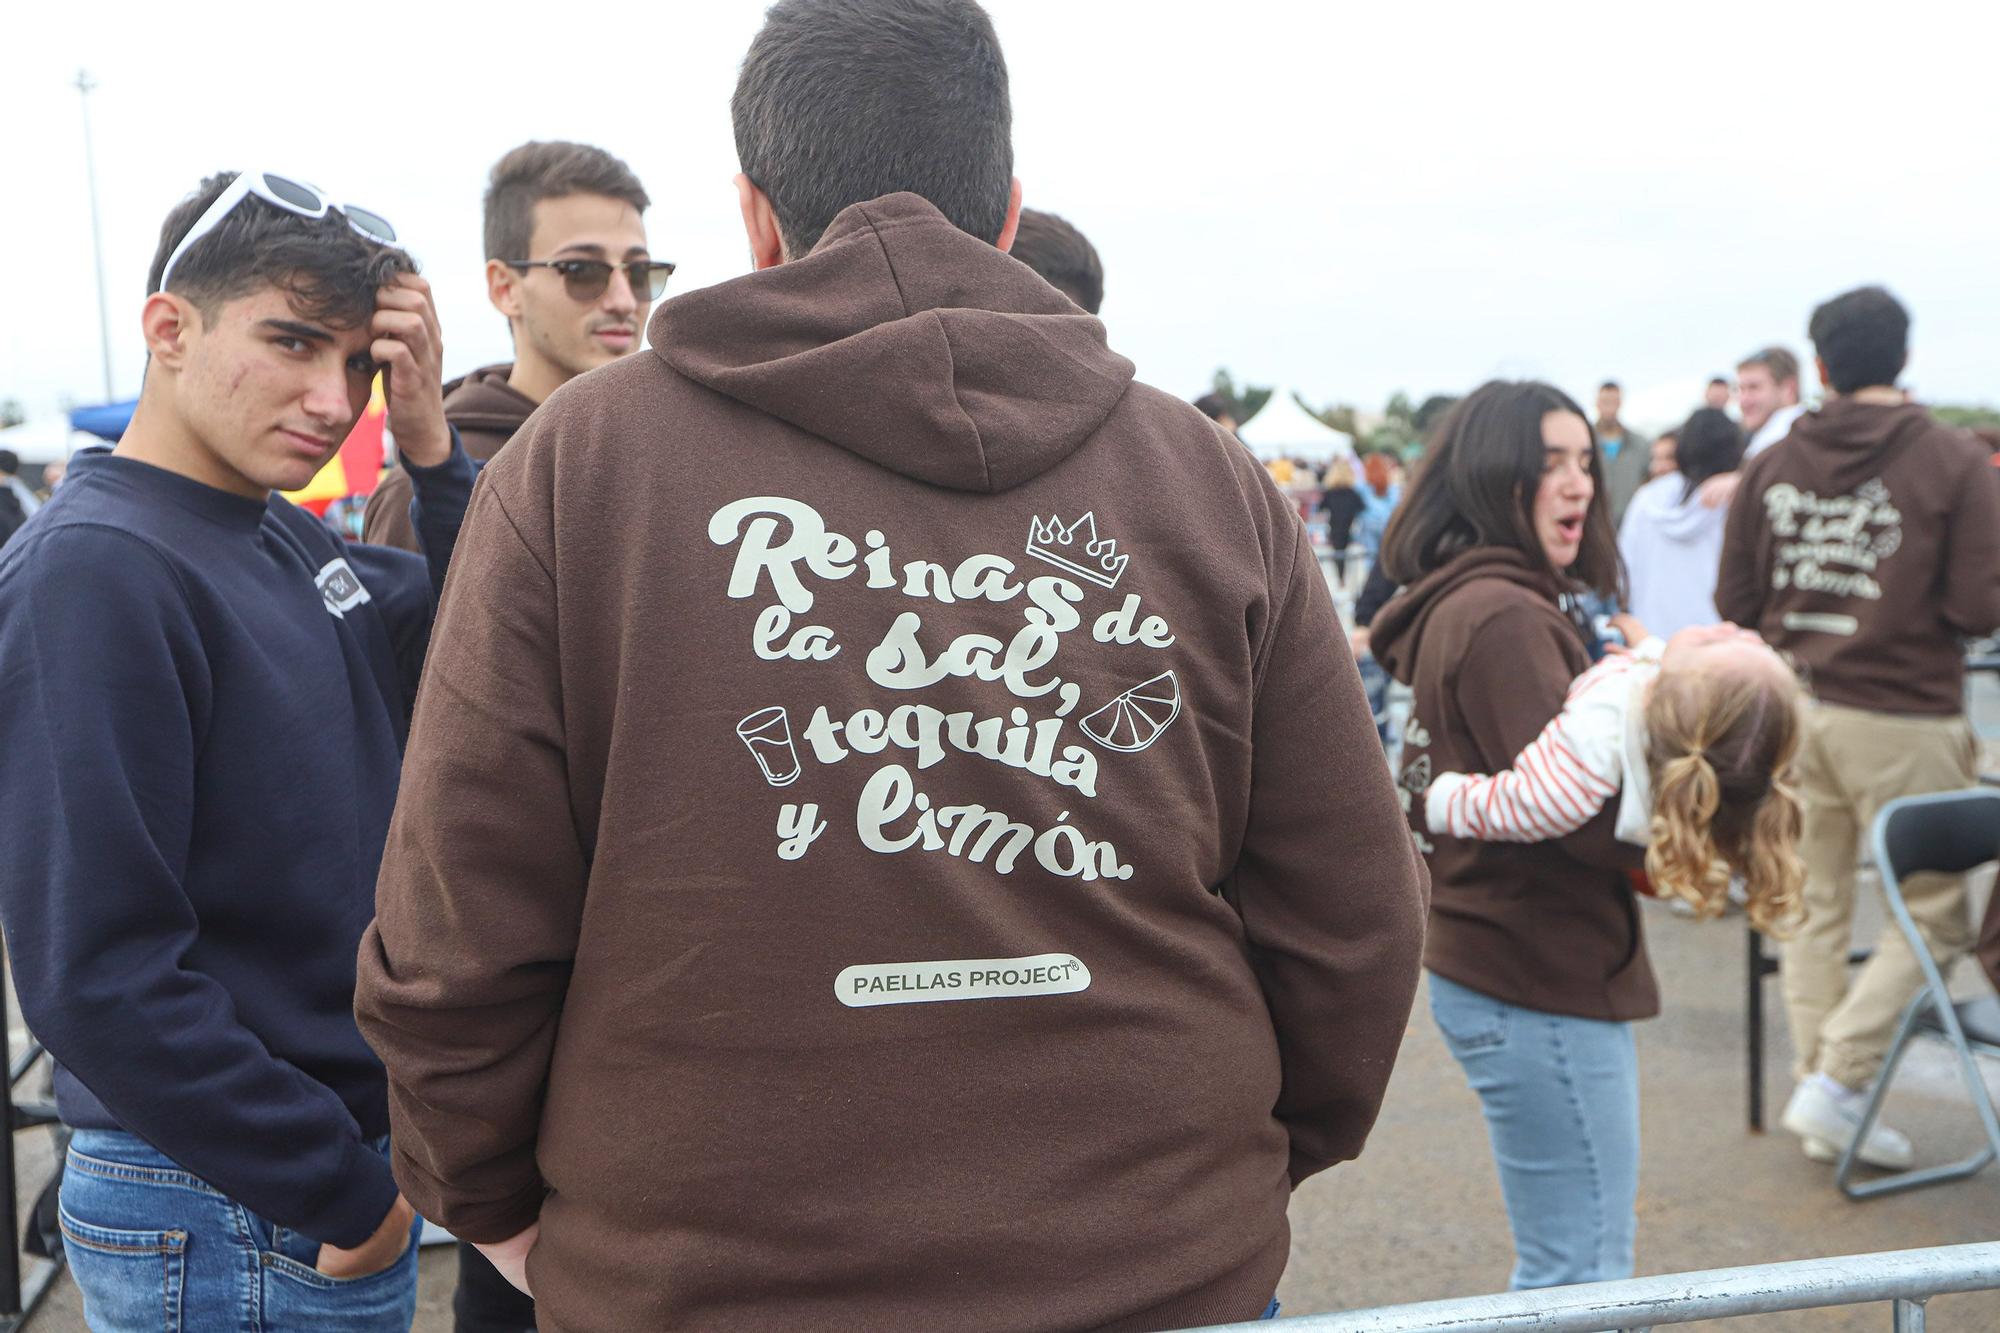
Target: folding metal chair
pixel 1946 833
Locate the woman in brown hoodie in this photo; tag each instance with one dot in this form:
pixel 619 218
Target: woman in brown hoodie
pixel 1535 952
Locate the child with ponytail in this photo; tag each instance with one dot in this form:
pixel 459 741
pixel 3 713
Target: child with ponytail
pixel 1695 736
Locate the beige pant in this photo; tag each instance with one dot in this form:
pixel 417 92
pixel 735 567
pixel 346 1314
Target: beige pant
pixel 1852 764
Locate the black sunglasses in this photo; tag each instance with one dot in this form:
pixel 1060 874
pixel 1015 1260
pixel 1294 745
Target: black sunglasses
pixel 586 279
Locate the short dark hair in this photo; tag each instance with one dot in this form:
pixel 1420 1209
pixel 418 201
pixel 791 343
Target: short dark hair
pixel 1214 406
pixel 843 101
pixel 1609 384
pixel 554 170
pixel 1781 363
pixel 328 271
pixel 1863 339
pixel 10 463
pixel 1431 413
pixel 1708 444
pixel 1476 487
pixel 1723 380
pixel 1064 257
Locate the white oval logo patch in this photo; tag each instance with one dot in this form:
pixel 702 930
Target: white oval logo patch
pixel 869 984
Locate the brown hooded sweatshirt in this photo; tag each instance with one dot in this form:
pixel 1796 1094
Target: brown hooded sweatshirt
pixel 892 837
pixel 1549 925
pixel 487 410
pixel 1867 547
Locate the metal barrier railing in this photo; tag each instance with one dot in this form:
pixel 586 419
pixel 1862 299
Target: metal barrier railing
pixel 1907 1278
pixel 1346 568
pixel 19 1297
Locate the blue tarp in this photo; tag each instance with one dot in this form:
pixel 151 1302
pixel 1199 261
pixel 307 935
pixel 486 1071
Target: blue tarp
pixel 107 421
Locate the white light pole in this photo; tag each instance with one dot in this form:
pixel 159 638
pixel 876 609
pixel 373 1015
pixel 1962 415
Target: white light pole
pixel 84 85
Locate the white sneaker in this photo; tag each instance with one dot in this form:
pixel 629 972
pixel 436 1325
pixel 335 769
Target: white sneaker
pixel 1819 1150
pixel 1815 1113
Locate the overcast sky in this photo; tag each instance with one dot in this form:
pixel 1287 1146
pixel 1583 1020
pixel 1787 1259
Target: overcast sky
pixel 1348 199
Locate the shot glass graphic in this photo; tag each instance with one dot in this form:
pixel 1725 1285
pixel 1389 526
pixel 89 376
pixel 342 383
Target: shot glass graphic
pixel 768 733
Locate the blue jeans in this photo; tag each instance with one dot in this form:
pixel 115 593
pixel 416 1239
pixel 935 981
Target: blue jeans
pixel 154 1248
pixel 1561 1097
pixel 1375 684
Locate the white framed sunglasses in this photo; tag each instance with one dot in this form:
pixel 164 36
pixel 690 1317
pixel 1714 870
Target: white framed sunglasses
pixel 286 192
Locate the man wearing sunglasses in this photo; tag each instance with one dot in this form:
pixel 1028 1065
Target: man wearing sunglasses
pixel 220 691
pixel 567 264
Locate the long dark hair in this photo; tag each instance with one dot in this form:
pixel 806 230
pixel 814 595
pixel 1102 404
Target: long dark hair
pixel 1476 487
pixel 1710 444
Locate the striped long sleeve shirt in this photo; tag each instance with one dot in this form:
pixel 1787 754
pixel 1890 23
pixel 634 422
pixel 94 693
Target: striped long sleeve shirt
pixel 1580 761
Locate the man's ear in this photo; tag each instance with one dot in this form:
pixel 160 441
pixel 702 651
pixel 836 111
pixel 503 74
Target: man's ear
pixel 503 288
pixel 1824 379
pixel 169 324
pixel 760 224
pixel 1013 223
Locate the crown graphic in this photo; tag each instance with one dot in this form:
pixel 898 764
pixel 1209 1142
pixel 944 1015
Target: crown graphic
pixel 1077 548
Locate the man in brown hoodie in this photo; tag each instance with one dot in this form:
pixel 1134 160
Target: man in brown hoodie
pixel 912 894
pixel 567 264
pixel 1866 546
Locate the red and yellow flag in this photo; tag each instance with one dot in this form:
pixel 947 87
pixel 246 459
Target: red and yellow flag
pixel 356 468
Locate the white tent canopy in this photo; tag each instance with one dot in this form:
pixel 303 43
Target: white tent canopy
pixel 1283 429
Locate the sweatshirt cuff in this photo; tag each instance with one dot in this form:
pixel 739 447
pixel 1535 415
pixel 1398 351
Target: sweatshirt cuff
pixel 449 479
pixel 348 1215
pixel 1437 800
pixel 477 1222
pixel 456 457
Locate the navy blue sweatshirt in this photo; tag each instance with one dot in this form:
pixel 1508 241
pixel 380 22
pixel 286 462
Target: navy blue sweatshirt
pixel 209 697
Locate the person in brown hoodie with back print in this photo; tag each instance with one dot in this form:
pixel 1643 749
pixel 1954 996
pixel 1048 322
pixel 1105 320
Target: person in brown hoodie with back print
pixel 567 264
pixel 1867 546
pixel 1536 952
pixel 911 894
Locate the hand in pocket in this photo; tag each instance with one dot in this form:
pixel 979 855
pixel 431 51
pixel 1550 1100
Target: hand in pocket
pixel 376 1254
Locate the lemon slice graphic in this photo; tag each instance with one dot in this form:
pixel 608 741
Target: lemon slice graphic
pixel 1135 719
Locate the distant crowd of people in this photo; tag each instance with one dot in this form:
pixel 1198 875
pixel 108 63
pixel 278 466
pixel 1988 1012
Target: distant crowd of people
pixel 827 803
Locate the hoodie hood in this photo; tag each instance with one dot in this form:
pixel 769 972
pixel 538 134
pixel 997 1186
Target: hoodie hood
pixel 484 404
pixel 909 342
pixel 1396 635
pixel 1660 506
pixel 1856 441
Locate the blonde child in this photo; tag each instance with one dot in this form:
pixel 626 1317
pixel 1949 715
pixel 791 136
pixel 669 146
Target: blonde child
pixel 1695 735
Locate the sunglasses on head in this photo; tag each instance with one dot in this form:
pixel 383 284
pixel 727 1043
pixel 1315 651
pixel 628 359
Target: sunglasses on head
pixel 586 279
pixel 286 192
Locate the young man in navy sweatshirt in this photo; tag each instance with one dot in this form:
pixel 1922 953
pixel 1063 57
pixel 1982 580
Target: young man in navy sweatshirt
pixel 215 691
